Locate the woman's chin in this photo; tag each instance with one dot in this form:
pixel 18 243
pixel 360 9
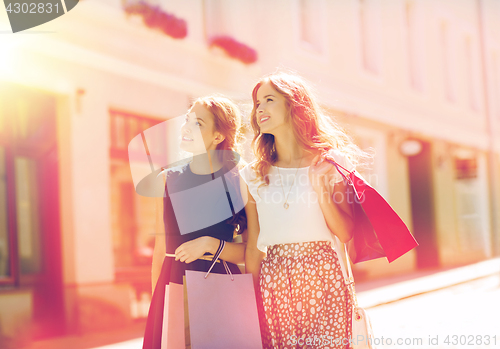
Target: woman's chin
pixel 190 148
pixel 267 131
pixel 186 146
pixel 273 129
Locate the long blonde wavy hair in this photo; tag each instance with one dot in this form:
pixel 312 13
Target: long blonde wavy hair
pixel 312 129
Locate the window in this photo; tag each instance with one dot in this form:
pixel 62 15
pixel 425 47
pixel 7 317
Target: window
pixel 468 216
pixel 471 203
pixel 465 168
pixel 4 234
pixel 2 125
pixel 445 44
pixel 311 24
pixel 470 72
pixel 28 218
pixel 495 63
pixel 368 29
pixel 30 233
pixel 412 47
pixel 214 18
pixel 125 126
pixel 27 136
pixel 132 215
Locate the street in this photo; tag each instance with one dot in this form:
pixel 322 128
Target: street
pixel 462 316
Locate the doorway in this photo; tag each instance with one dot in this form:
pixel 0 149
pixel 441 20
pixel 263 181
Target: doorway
pixel 422 207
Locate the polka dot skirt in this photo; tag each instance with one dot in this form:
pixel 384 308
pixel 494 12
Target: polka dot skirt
pixel 305 301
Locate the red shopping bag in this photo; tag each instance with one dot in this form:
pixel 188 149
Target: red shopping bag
pixel 378 230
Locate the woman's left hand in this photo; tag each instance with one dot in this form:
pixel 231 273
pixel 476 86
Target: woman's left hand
pixel 194 249
pixel 319 172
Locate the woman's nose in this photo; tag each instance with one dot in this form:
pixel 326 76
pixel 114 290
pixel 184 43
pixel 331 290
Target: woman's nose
pixel 185 128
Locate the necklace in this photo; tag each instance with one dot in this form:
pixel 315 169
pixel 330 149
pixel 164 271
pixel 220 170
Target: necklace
pixel 286 205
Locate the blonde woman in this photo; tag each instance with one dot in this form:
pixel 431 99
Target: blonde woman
pixel 296 210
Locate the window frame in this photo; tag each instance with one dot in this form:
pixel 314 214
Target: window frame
pixel 135 274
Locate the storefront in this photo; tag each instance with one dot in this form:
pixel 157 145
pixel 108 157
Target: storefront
pixel 30 234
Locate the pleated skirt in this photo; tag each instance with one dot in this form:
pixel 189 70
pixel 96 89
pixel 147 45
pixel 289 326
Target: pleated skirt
pixel 305 301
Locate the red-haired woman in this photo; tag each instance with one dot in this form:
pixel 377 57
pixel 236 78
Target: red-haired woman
pixel 188 230
pixel 296 209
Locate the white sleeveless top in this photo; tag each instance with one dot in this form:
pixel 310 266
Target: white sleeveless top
pixel 303 220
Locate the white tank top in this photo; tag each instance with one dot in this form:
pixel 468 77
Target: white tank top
pixel 303 220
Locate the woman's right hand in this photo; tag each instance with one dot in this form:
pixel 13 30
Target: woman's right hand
pixel 320 170
pixel 194 249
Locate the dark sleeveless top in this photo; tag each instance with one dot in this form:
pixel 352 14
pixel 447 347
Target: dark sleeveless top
pixel 195 202
pixel 188 197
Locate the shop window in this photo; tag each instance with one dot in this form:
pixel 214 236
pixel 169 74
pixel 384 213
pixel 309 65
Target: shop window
pixel 133 216
pixel 27 144
pixel 470 205
pixel 28 220
pixel 4 236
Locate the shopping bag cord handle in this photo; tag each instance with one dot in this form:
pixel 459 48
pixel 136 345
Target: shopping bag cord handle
pixel 222 244
pixel 344 177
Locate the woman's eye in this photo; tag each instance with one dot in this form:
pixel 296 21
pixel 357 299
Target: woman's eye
pixel 269 100
pixel 197 123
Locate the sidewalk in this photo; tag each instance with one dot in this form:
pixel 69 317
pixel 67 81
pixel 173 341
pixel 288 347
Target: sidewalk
pixel 373 293
pixel 370 294
pixel 125 338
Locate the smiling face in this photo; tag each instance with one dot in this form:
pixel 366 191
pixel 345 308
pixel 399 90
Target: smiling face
pixel 198 131
pixel 271 111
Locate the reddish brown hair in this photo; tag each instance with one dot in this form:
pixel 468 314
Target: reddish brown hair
pixel 312 129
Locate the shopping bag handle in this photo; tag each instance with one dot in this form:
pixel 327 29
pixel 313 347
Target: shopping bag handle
pixel 350 278
pixel 222 244
pixel 344 177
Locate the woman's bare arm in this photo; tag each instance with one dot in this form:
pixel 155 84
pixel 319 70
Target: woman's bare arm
pixel 253 256
pixel 160 248
pixel 332 199
pixel 192 250
pixel 337 211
